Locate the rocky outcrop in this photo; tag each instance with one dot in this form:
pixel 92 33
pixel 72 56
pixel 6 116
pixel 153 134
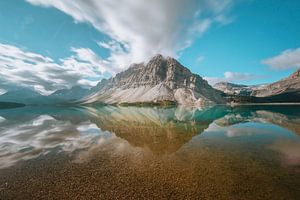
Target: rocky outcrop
pixel 160 80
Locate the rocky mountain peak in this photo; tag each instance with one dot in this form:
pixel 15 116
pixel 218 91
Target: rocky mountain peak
pixel 171 72
pixel 157 57
pixel 159 61
pixel 160 79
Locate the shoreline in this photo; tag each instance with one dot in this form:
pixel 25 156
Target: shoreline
pixel 156 104
pixel 251 104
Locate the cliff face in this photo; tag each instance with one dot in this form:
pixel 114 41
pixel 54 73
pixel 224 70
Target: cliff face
pixel 161 79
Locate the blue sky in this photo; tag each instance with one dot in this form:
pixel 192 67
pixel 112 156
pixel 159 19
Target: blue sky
pixel 52 44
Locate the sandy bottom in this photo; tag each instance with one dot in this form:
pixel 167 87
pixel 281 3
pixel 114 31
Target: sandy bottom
pixel 119 171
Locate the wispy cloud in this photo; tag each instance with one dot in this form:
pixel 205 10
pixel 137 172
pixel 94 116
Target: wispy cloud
pixel 140 29
pixel 23 68
pixel 2 91
pixel 231 77
pixel 288 59
pixel 199 59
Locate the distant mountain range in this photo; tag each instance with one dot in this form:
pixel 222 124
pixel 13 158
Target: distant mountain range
pixel 286 90
pixel 235 89
pixel 31 97
pixel 163 81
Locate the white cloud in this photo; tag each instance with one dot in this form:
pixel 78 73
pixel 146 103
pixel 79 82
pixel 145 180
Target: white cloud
pixel 27 69
pixel 2 91
pixel 231 77
pixel 288 59
pixel 140 29
pixel 200 59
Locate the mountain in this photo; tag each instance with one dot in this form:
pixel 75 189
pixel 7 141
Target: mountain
pixel 30 97
pixel 69 95
pixel 160 80
pixel 163 81
pixel 286 90
pixel 22 96
pixel 235 89
pixel 288 85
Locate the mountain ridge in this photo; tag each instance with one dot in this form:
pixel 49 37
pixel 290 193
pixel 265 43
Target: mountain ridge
pixel 31 97
pixel 163 80
pixel 286 90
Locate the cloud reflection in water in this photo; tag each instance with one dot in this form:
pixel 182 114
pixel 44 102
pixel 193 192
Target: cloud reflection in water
pixel 28 133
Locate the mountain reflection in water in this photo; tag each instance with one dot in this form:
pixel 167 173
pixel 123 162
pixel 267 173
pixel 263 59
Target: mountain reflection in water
pixel 270 132
pixel 31 131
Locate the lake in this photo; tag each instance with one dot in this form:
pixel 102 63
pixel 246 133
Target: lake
pixel 110 152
